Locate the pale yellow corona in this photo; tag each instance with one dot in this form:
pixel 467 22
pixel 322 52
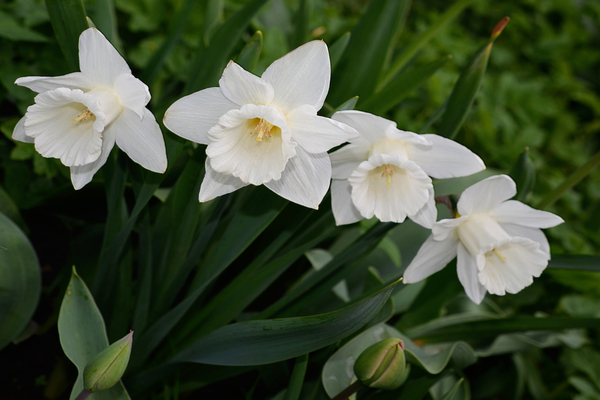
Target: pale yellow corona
pixel 262 129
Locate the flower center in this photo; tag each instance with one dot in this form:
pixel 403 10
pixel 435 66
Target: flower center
pixel 262 129
pixel 84 116
pixel 388 171
pixel 500 256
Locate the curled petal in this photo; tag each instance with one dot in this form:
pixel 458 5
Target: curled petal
pixel 133 93
pixel 215 184
pixel 467 275
pixel 242 87
pixel 445 227
pixel 40 84
pixel 305 180
pixel 99 60
pixel 515 212
pixel 347 159
pixel 192 116
pixel 534 234
pixel 19 132
pixel 486 195
pixel 343 209
pixel 427 215
pixel 300 77
pixel 432 257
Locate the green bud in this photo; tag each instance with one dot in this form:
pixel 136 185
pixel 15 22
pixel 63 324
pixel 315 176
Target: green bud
pixel 107 368
pixel 382 364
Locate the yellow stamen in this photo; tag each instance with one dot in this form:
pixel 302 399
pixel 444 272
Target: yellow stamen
pixel 84 116
pixel 389 172
pixel 502 258
pixel 262 129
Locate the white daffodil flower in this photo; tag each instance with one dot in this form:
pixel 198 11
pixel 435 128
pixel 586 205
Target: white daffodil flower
pixel 78 117
pixel 385 172
pixel 265 131
pixel 497 242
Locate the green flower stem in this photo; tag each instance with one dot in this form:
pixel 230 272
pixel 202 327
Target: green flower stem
pixel 349 391
pixel 83 395
pixel 571 181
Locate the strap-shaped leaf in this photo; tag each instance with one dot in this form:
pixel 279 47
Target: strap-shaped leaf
pixel 68 21
pixel 269 341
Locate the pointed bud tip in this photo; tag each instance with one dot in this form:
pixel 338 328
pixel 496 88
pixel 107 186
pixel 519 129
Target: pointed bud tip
pixel 499 27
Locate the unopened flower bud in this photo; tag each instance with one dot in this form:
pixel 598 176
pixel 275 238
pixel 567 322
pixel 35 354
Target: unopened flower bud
pixel 107 368
pixel 382 364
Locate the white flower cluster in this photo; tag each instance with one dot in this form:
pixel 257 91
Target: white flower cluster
pixel 266 131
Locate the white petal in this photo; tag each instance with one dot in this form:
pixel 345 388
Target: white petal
pixel 305 180
pixel 215 184
pixel 427 215
pixel 99 60
pixel 40 84
pixel 404 194
pixel 446 158
pixel 242 87
pixel 142 139
pixel 192 116
pixel 515 212
pixel 82 175
pixel 300 77
pixel 431 258
pixel 408 137
pixel 534 234
pixel 486 195
pixel 343 209
pixel 345 160
pixel 234 150
pixel 522 261
pixel 50 121
pixel 317 134
pixel 466 266
pixel 133 93
pixel 371 127
pixel 445 227
pixel 19 132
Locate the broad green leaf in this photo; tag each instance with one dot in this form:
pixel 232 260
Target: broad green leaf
pixel 338 48
pixel 401 86
pixel 105 19
pixel 586 360
pixel 515 342
pixel 297 378
pixel 406 295
pixel 523 174
pixel 68 21
pixel 20 280
pixel 11 29
pixel 83 335
pixel 212 18
pixel 267 341
pixel 466 88
pixel 338 370
pixel 575 261
pixel 209 64
pixel 415 46
pixel 250 53
pixel 301 21
pixel 451 394
pixel 580 306
pixel 361 64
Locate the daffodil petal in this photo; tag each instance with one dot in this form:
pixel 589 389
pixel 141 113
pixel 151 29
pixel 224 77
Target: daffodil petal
pixel 445 227
pixel 515 212
pixel 300 77
pixel 466 267
pixel 345 160
pixel 50 121
pixel 133 93
pixel 486 195
pixel 427 215
pixel 40 84
pixel 389 197
pixel 242 87
pixel 142 139
pixel 431 258
pixel 371 127
pixel 445 158
pixel 19 132
pixel 192 116
pixel 305 179
pixel 215 184
pixel 534 234
pixel 343 209
pixel 235 150
pixel 317 134
pixel 82 175
pixel 99 60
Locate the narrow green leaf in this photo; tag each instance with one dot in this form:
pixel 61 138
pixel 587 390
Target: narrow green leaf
pixel 301 21
pixel 11 29
pixel 20 280
pixel 212 18
pixel 208 65
pixel 575 261
pixel 338 48
pixel 68 21
pixel 401 86
pixel 83 335
pixel 249 55
pixel 105 19
pixel 418 44
pixel 466 88
pixel 268 341
pixel 297 379
pixel 523 174
pixel 452 392
pixel 361 64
